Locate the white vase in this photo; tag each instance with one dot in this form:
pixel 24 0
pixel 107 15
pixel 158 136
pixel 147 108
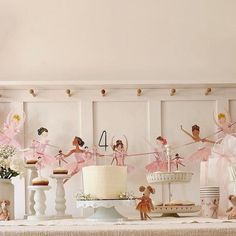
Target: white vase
pixel 7 193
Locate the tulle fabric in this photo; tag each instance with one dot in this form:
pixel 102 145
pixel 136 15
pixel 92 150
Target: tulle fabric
pixel 224 152
pixel 161 163
pixel 227 146
pixel 157 165
pixel 37 152
pixel 202 154
pixel 82 159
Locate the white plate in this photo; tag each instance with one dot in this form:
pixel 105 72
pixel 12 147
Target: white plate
pixel 177 209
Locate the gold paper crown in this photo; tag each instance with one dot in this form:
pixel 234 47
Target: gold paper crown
pixel 221 115
pixel 16 117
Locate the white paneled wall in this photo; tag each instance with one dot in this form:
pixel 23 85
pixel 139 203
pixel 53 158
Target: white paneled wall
pixel 141 119
pixel 187 113
pixel 62 119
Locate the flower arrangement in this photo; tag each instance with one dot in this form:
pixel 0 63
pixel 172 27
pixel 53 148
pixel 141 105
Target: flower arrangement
pixel 10 165
pixel 126 196
pixel 83 197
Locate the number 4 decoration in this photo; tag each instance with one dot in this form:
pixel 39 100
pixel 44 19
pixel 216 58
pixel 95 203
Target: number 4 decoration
pixel 103 137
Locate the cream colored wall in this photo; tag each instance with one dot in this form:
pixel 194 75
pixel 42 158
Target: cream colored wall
pixel 141 119
pixel 125 39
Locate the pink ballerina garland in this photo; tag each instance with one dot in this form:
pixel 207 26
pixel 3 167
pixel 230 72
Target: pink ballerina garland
pixel 160 163
pixel 37 150
pixel 203 153
pixel 120 153
pixel 11 128
pixel 83 157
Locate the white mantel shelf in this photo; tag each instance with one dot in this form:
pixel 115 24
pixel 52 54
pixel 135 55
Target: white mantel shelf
pixel 129 84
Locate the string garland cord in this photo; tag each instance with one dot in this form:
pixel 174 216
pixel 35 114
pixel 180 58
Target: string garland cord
pixel 132 155
pixel 219 131
pixel 47 144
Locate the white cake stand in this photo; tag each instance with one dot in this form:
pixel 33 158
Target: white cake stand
pixel 105 209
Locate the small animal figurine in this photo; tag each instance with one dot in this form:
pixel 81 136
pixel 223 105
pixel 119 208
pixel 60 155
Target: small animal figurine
pixel 145 205
pixel 4 213
pixel 231 212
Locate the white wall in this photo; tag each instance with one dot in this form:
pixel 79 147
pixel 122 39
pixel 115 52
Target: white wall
pixel 141 119
pixel 125 39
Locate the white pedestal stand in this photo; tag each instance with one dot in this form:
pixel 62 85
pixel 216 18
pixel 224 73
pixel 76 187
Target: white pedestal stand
pixel 40 205
pixel 60 201
pixel 105 209
pixel 33 173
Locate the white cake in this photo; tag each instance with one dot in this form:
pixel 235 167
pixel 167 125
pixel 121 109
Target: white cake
pixel 104 182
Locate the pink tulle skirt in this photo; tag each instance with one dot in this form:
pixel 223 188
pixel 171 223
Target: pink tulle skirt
pixel 157 166
pixel 44 160
pixel 75 167
pixel 201 154
pixel 5 140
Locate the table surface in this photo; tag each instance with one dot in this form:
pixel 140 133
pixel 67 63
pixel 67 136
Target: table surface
pixel 184 226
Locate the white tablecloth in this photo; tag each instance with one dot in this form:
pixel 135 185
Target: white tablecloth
pixel 157 227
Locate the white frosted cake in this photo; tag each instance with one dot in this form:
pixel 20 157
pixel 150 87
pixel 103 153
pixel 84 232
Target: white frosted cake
pixel 104 182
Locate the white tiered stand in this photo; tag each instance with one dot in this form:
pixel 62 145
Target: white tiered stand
pixel 169 178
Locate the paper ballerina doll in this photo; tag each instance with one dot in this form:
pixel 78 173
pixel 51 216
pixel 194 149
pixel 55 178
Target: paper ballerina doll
pixel 37 150
pixel 11 128
pixel 160 164
pixel 225 146
pixel 145 205
pixel 224 123
pixel 178 161
pixel 203 152
pixel 60 158
pixel 120 153
pixel 82 156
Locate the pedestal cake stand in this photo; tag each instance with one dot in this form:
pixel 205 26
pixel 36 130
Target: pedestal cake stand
pixel 40 202
pixel 105 209
pixel 60 201
pixel 169 178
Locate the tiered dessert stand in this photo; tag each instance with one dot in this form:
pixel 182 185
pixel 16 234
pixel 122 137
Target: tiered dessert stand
pixel 105 209
pixel 168 178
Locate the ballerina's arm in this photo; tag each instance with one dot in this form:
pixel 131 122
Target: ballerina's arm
pixel 21 122
pixel 186 132
pixel 208 141
pixel 228 116
pixel 111 144
pixel 126 143
pixel 215 121
pixel 7 123
pixel 69 153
